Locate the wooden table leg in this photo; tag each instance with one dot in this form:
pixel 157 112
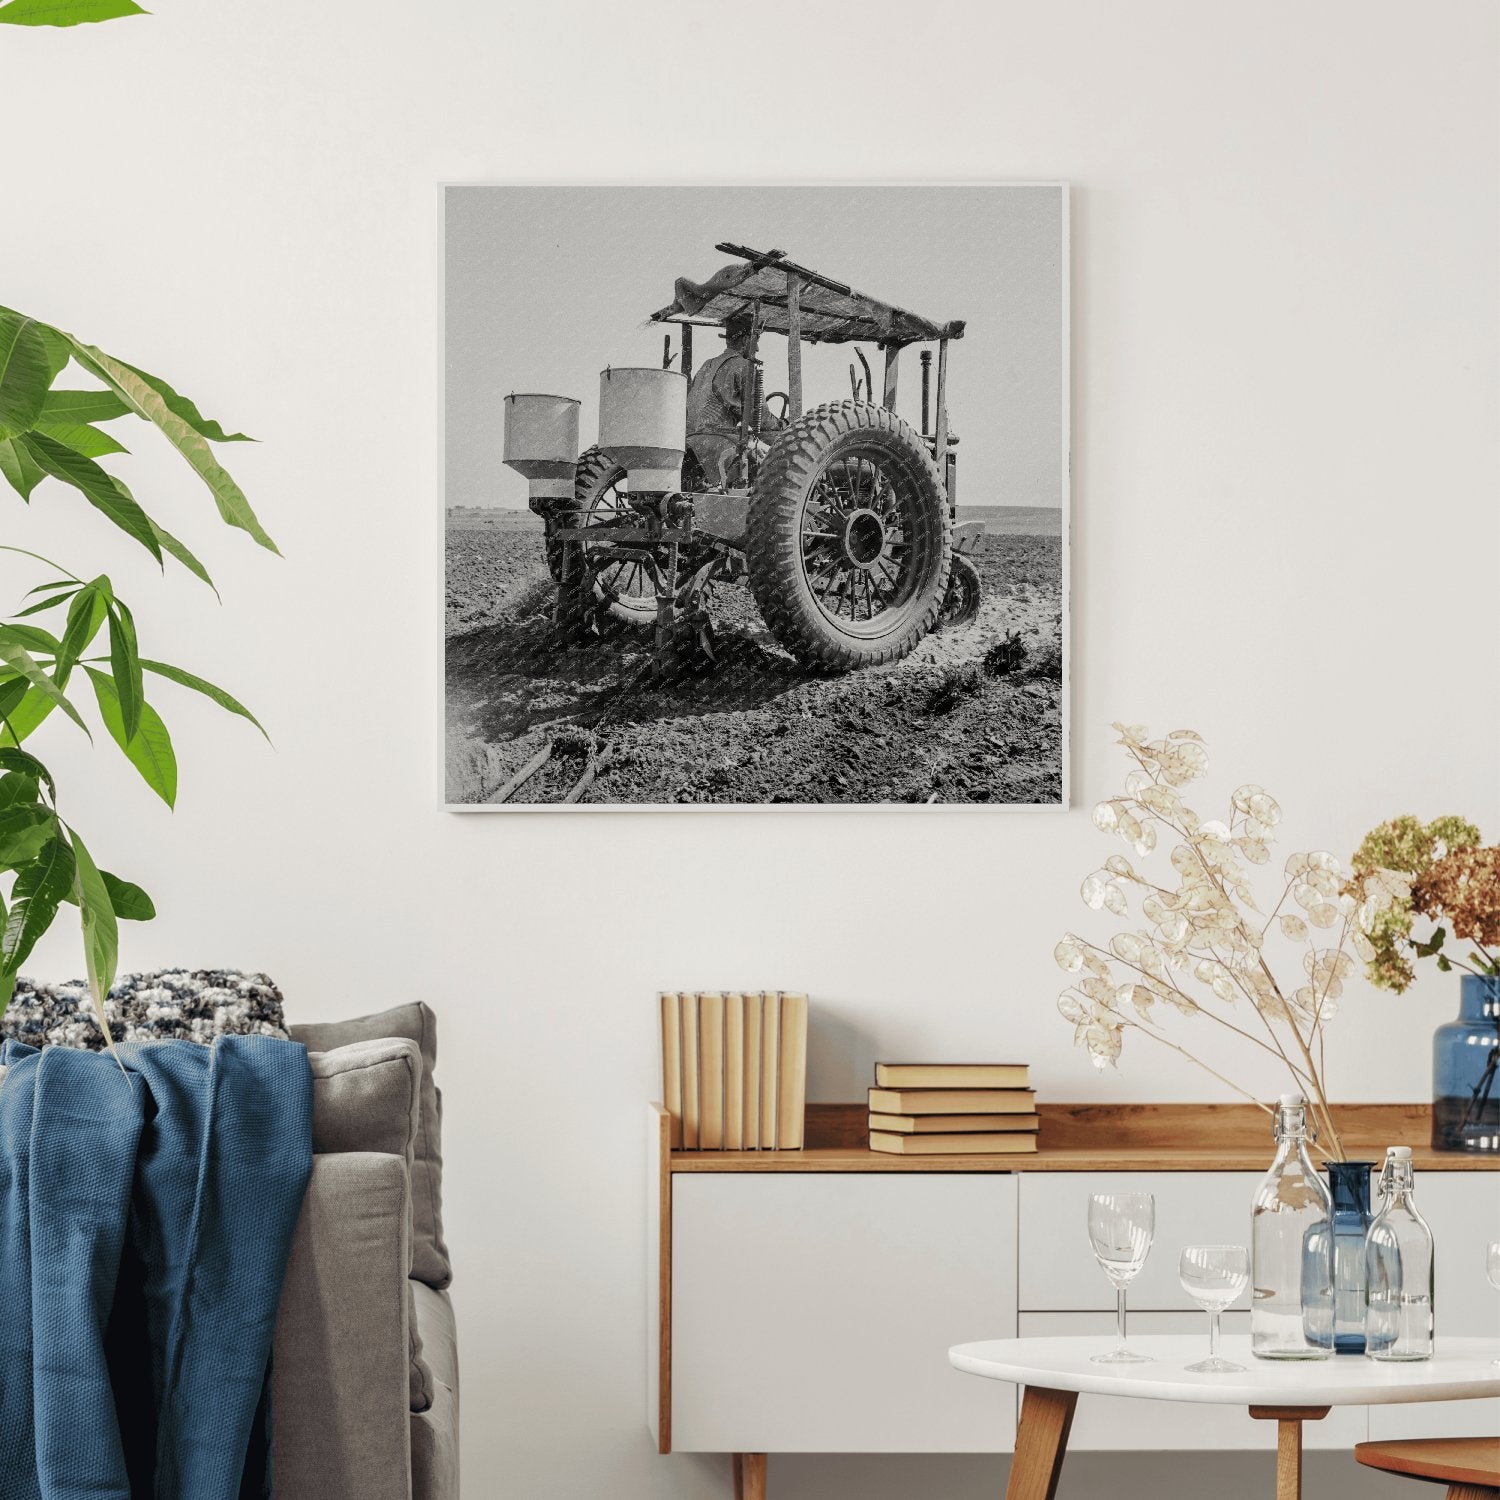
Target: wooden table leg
pixel 1472 1492
pixel 1289 1420
pixel 749 1476
pixel 1041 1442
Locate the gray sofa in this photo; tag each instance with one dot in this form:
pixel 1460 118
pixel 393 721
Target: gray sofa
pixel 365 1368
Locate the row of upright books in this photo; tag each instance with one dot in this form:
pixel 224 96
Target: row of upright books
pixel 734 1070
pixel 951 1109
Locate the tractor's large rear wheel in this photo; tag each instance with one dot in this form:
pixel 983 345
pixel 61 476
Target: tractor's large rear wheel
pixel 848 540
pixel 625 589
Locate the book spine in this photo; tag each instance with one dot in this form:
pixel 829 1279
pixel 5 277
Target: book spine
pixel 689 1007
pixel 754 1044
pixel 792 1091
pixel 770 1066
pixel 711 1072
pixel 671 1065
pixel 734 1072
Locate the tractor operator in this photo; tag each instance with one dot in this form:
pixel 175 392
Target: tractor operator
pixel 716 402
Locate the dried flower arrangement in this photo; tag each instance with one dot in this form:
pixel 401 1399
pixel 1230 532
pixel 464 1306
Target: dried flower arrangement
pixel 1445 875
pixel 1204 948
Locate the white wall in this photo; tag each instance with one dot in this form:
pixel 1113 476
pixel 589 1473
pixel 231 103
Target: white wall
pixel 1285 535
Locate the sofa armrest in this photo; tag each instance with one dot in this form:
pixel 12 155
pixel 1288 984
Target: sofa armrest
pixel 340 1428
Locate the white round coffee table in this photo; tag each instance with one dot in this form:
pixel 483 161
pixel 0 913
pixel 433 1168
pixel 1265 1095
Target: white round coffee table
pixel 1055 1371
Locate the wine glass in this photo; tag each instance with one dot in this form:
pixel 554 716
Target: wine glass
pixel 1213 1276
pixel 1492 1268
pixel 1120 1229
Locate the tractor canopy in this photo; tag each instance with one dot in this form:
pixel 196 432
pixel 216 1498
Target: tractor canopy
pixel 829 311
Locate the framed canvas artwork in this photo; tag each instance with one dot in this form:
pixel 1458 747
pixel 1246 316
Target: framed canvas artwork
pixel 755 496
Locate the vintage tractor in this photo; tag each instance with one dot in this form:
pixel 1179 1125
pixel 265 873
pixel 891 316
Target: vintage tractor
pixel 842 518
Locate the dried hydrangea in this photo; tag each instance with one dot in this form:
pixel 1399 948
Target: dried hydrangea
pixel 1400 855
pixel 1201 949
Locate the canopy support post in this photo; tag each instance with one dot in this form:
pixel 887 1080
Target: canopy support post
pixel 793 347
pixel 892 354
pixel 940 445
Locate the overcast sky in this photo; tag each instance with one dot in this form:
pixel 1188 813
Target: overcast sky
pixel 545 286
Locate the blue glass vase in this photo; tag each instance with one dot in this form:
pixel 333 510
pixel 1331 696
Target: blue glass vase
pixel 1466 1071
pixel 1349 1183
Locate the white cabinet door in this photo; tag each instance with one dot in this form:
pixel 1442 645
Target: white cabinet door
pixel 1118 1423
pixel 1463 1209
pixel 814 1312
pixel 1058 1269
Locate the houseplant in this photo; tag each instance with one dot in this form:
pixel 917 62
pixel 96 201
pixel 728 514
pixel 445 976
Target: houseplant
pixel 1447 877
pixel 49 430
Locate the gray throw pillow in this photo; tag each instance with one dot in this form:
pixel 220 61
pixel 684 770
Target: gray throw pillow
pixel 417 1023
pixel 368 1097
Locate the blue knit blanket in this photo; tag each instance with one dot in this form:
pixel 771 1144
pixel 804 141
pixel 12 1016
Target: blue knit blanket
pixel 145 1221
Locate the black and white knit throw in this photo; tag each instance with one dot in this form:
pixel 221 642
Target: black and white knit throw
pixel 194 1005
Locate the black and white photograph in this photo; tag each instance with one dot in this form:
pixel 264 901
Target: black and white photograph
pixel 755 496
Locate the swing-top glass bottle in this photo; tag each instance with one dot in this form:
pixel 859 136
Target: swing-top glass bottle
pixel 1291 1248
pixel 1398 1269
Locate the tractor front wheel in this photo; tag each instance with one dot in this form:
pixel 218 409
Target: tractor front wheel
pixel 625 589
pixel 849 540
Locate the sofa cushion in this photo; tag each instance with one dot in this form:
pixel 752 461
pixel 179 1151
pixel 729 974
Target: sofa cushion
pixel 367 1097
pixel 434 1432
pixel 194 1005
pixel 416 1022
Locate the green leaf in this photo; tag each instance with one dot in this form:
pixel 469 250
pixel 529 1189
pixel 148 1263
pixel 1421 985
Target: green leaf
pixel 11 694
pixel 145 399
pixel 21 470
pixel 18 790
pixel 28 765
pixel 16 655
pixel 24 376
pixel 130 902
pixel 23 833
pixel 101 934
pixel 51 588
pixel 83 406
pixel 100 488
pixel 150 749
pixel 201 685
pixel 182 407
pixel 41 606
pixel 169 543
pixel 34 638
pixel 85 615
pixel 125 664
pixel 80 437
pixel 66 12
pixel 34 901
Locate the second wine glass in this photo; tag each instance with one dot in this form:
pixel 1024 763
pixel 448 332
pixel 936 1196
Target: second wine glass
pixel 1121 1227
pixel 1214 1276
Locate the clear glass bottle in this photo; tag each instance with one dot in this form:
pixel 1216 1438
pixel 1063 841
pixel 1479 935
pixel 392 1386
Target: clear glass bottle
pixel 1398 1269
pixel 1291 1249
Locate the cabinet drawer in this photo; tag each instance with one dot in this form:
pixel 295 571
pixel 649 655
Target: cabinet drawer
pixel 1122 1424
pixel 814 1312
pixel 1058 1269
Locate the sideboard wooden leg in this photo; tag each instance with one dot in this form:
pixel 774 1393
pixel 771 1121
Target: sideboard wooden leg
pixel 1041 1442
pixel 1289 1420
pixel 749 1476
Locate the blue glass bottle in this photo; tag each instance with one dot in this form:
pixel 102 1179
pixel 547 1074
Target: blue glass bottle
pixel 1349 1182
pixel 1466 1071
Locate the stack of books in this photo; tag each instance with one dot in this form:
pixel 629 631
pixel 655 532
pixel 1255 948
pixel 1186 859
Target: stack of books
pixel 946 1109
pixel 734 1070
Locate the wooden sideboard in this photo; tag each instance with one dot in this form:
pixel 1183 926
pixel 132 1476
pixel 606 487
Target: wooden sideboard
pixel 760 1262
